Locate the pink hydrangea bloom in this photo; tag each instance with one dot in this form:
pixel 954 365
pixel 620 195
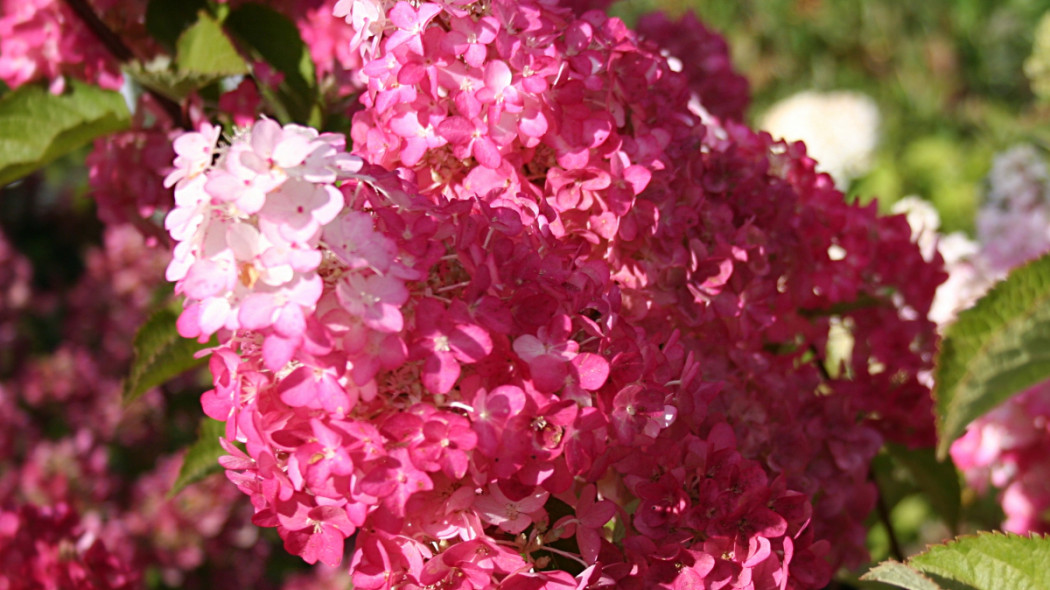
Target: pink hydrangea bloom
pixel 546 291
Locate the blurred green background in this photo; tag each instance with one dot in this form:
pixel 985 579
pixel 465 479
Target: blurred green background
pixel 948 77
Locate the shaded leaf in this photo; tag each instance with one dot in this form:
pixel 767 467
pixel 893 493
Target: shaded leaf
pixel 167 19
pixel 998 348
pixel 202 458
pixel 160 354
pixel 276 40
pixel 36 127
pixel 204 49
pixel 899 574
pixel 938 480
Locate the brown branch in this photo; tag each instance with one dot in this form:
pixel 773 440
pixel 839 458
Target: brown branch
pixel 819 361
pixel 151 230
pixel 109 39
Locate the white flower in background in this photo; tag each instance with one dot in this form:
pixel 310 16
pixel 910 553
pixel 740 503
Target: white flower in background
pixel 924 222
pixel 968 275
pixel 840 130
pixel 1013 224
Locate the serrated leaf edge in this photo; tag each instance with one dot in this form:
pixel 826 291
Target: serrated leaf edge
pixel 132 389
pixel 867 577
pixel 995 293
pixel 950 544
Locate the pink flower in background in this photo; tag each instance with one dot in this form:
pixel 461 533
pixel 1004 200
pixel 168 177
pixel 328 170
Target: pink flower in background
pixel 47 547
pixel 243 104
pixel 45 40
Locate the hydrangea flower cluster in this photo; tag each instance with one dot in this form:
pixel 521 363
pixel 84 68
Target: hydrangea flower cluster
pixel 546 265
pixel 48 548
pixel 47 40
pixel 1013 224
pixel 328 40
pixel 16 274
pixel 600 137
pixel 44 40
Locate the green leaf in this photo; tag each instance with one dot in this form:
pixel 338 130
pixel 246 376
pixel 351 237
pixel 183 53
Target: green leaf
pixel 999 347
pixel 37 127
pixel 1037 66
pixel 938 480
pixel 205 49
pixel 276 40
pixel 988 561
pixel 204 53
pixel 202 459
pixel 160 77
pixel 160 354
pixel 899 574
pixel 167 19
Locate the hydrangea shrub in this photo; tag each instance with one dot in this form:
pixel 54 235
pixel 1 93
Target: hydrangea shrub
pixel 505 295
pixel 543 264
